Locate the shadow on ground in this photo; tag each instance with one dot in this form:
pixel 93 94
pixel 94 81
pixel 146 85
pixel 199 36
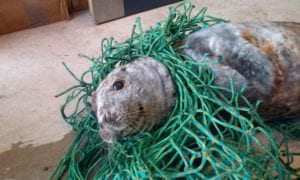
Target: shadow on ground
pixel 33 162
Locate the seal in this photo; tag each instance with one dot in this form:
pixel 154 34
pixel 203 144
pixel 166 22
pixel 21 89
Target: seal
pixel 265 57
pixel 133 98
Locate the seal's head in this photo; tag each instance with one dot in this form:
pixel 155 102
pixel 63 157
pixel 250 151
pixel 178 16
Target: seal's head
pixel 134 98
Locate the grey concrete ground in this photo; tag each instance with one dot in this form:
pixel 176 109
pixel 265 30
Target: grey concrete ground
pixel 31 130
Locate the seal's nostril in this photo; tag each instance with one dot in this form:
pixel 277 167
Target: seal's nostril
pixel 105 118
pixel 108 136
pixel 100 125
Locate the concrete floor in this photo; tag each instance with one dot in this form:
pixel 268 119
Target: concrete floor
pixel 33 136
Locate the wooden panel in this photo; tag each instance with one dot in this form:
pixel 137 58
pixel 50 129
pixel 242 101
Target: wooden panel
pixel 21 14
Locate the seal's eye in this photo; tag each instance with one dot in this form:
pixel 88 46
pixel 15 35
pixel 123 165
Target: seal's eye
pixel 118 85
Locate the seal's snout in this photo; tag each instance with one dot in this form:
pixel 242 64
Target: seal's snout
pixel 109 128
pixel 102 118
pixel 105 132
pixel 108 136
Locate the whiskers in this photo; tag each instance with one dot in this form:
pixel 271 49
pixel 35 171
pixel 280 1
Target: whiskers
pixel 140 120
pixel 144 111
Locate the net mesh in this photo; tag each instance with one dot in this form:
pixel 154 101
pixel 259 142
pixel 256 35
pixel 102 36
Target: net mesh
pixel 207 135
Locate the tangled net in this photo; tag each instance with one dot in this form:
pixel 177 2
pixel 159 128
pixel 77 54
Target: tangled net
pixel 207 135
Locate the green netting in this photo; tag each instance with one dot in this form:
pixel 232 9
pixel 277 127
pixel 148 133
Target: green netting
pixel 208 135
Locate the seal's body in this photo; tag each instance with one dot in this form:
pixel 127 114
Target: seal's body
pixel 265 57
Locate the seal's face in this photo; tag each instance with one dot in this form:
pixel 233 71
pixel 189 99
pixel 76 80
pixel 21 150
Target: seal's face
pixel 133 98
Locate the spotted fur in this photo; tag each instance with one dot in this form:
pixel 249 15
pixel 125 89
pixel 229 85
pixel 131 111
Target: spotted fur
pixel 263 56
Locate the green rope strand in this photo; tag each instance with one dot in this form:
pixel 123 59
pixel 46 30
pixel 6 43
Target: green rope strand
pixel 207 135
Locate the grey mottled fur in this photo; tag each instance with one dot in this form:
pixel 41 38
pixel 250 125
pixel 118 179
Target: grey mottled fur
pixel 146 98
pixel 265 57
